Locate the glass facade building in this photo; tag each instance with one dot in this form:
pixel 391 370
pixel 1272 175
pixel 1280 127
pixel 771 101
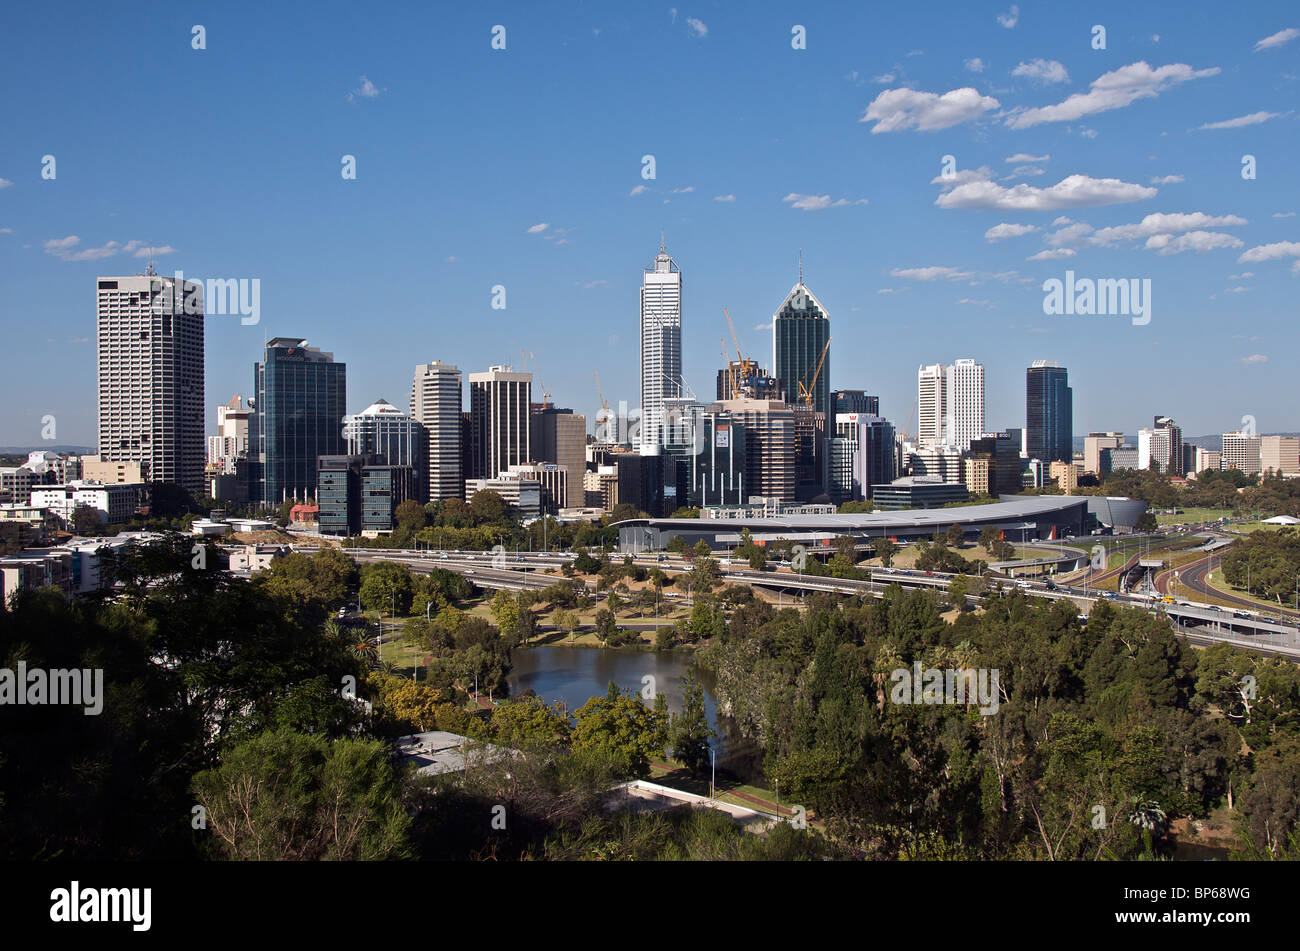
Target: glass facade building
pixel 1049 409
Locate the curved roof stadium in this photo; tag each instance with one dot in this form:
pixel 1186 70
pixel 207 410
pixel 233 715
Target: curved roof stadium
pixel 1022 518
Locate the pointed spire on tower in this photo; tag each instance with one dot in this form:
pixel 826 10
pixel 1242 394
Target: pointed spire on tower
pixel 801 265
pixel 662 247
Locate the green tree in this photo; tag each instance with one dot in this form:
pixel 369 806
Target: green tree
pixel 488 508
pixel 885 549
pixel 621 728
pixel 528 723
pixel 956 535
pixel 287 796
pixel 690 732
pixel 85 520
pixel 387 586
pixel 410 515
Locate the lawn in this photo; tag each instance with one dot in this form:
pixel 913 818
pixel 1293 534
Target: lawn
pixel 1189 515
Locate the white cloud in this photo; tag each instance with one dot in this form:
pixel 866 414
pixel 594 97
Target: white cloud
pixel 1165 224
pixel 1236 290
pixel 931 274
pixel 1284 214
pixel 1277 39
pixel 1255 118
pixel 1062 220
pixel 819 202
pixel 154 252
pixel 1025 157
pixel 1053 255
pixel 1113 90
pixel 1073 233
pixel 976 303
pixel 683 191
pixel 884 79
pixel 451 259
pixel 1010 18
pixel 61 248
pixel 5 183
pixel 1023 171
pixel 1270 252
pixel 963 175
pixel 897 109
pixel 1242 276
pixel 639 190
pixel 975 65
pixel 1007 230
pixel 6 230
pixel 1088 133
pixel 539 228
pixel 1075 191
pixel 367 90
pixel 1042 70
pixel 1191 241
pixel 1255 358
pixel 724 197
pixel 766 326
pixel 697 26
pixel 1167 180
pixel 888 290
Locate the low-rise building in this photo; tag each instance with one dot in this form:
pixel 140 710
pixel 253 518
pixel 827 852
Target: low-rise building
pixel 113 504
pixel 917 492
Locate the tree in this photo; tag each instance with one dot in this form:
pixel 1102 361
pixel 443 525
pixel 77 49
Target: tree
pixel 702 549
pixel 505 611
pixel 676 545
pixel 410 516
pixel 488 508
pixel 623 729
pixel 958 588
pixel 857 508
pixel 1146 521
pixel 387 586
pixel 885 549
pixel 988 535
pixel 606 627
pixel 690 731
pixel 85 520
pixel 956 535
pixel 528 723
pixel 284 795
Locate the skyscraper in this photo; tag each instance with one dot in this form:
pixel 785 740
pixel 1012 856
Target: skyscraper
pixel 661 343
pixel 381 428
pixel 1161 447
pixel 299 410
pixel 801 330
pixel 1049 408
pixel 500 407
pixel 149 361
pixel 436 405
pixel 963 410
pixel 930 383
pixel 560 436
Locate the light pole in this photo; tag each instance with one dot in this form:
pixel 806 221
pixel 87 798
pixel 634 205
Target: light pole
pixel 713 777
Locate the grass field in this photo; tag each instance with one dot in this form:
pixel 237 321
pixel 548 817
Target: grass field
pixel 1193 515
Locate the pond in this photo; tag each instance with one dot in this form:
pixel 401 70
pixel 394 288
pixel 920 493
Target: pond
pixel 573 675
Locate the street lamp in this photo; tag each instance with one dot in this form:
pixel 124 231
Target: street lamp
pixel 713 777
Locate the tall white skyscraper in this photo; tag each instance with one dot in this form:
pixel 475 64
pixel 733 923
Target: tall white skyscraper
pixel 149 360
pixel 930 383
pixel 661 344
pixel 963 413
pixel 435 404
pixel 500 406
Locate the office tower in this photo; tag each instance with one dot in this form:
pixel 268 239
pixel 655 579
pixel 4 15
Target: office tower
pixel 854 401
pixel 1002 449
pixel 231 441
pixel 1280 455
pixel 769 445
pixel 1093 444
pixel 745 378
pixel 661 343
pixel 1241 451
pixel 299 410
pixel 149 361
pixel 1049 422
pixel 936 462
pixel 963 410
pixel 436 405
pixel 383 489
pixel 381 428
pixel 862 455
pixel 559 436
pixel 1207 459
pixel 931 382
pixel 499 406
pixel 801 330
pixel 706 465
pixel 1161 447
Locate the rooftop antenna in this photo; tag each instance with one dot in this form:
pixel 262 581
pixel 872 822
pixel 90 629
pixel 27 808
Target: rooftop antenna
pixel 662 248
pixel 149 270
pixel 801 265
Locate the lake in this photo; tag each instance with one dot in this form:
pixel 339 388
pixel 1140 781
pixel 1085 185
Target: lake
pixel 574 675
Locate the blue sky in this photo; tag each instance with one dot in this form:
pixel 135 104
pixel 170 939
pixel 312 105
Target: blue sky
pixel 230 157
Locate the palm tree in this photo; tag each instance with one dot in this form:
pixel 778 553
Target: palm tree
pixel 355 639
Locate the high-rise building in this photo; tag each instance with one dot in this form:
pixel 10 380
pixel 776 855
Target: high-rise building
pixel 1241 451
pixel 436 405
pixel 1003 452
pixel 1161 447
pixel 500 408
pixel 384 429
pixel 1280 455
pixel 963 410
pixel 801 330
pixel 862 455
pixel 661 343
pixel 769 446
pixel 231 441
pixel 746 378
pixel 299 409
pixel 854 401
pixel 559 436
pixel 1049 421
pixel 710 463
pixel 149 359
pixel 1093 444
pixel 931 381
pixel 1207 459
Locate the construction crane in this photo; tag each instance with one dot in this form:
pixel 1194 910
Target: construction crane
pixel 806 392
pixel 546 393
pixel 745 369
pixel 604 403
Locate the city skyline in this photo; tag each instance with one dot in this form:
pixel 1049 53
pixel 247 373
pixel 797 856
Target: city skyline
pixel 916 265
